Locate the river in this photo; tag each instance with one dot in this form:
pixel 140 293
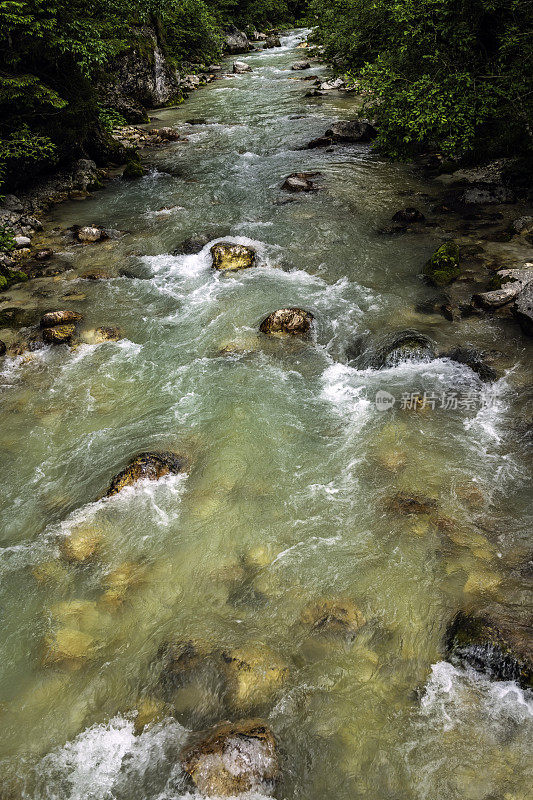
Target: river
pixel 291 464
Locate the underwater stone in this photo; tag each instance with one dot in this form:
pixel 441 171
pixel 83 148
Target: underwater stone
pixel 82 544
pixel 337 616
pixel 255 673
pixel 406 503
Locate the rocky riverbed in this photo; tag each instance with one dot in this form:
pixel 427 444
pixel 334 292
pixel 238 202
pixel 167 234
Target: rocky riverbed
pixel 266 425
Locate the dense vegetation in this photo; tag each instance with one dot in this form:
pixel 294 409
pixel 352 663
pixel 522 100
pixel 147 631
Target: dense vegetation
pixel 455 75
pixel 53 53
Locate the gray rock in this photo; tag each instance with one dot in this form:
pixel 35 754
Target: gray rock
pixel 523 225
pixel 301 65
pixel 524 309
pixel 241 66
pixel 236 41
pixel 22 241
pixel 272 41
pixel 351 131
pixel 12 203
pixel 89 234
pixel 299 182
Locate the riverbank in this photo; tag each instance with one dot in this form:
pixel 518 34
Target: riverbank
pixel 319 512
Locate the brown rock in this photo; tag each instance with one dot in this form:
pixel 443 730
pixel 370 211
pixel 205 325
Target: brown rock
pixel 339 616
pixel 95 275
pixel 232 758
pixel 299 182
pixel 60 334
pixel 147 465
pixel 406 503
pixel 293 321
pixel 53 318
pixel 255 674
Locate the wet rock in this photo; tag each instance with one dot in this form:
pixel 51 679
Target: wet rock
pixel 524 309
pixel 408 215
pixel 200 120
pixel 95 275
pixel 149 711
pixel 255 674
pixel 335 616
pixel 236 41
pixel 151 466
pixel 103 334
pixel 192 245
pixel 443 266
pixel 232 758
pixel 119 581
pixel 17 317
pixel 406 345
pixel 271 41
pixel 500 651
pixel 406 503
pixel 53 318
pixel 82 544
pixel 301 65
pixel 293 321
pixel 168 134
pixel 89 234
pixel 3 348
pixel 321 141
pixel 239 67
pixel 299 182
pixel 43 255
pixel 471 358
pixel 331 85
pixel 59 334
pixel 351 131
pixel 227 256
pixel 523 226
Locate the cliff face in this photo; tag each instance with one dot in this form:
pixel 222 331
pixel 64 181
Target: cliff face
pixel 140 78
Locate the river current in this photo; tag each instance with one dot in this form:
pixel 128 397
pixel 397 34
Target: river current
pixel 291 465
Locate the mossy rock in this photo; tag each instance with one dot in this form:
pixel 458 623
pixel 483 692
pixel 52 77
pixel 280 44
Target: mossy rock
pixel 8 277
pixel 151 466
pixel 133 169
pixel 443 266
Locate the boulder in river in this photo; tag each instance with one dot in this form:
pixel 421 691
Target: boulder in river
pixel 89 234
pixel 321 141
pixel 69 647
pixel 232 758
pixel 407 503
pixel 351 131
pixel 151 466
pixel 524 309
pixel 59 334
pixel 193 245
pixel 255 674
pixel 443 267
pixel 239 67
pixel 501 650
pixel 339 616
pixel 95 275
pixel 405 345
pixel 63 317
pixel 82 543
pixel 272 41
pixel 236 41
pixel 301 65
pixel 293 321
pixel 228 256
pixel 103 334
pixel 471 358
pixel 300 182
pixel 408 215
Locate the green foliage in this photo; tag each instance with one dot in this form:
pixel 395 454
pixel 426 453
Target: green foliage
pixel 448 74
pixel 7 243
pixel 110 118
pixel 443 267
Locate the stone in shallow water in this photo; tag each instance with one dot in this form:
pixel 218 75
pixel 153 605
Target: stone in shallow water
pixel 351 131
pixel 64 317
pixel 68 646
pixel 299 182
pixel 241 66
pixel 334 615
pixel 501 650
pixel 119 581
pixel 407 503
pixel 444 266
pixel 228 256
pixel 232 758
pixel 293 321
pixel 405 345
pixel 151 466
pixel 89 234
pixel 60 334
pixel 103 334
pixel 408 215
pixel 149 711
pixel 255 674
pixel 81 544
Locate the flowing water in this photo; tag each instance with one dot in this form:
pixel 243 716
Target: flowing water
pixel 285 501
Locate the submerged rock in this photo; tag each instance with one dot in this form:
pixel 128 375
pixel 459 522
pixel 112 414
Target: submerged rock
pixel 471 358
pixel 95 275
pixel 119 581
pixel 59 334
pixel 502 652
pixel 82 543
pixel 53 318
pixel 408 215
pixel 443 266
pixel 239 67
pixel 232 758
pixel 192 245
pixel 3 348
pixel 151 466
pixel 227 256
pixel 337 616
pixel 255 674
pixel 406 503
pixel 406 345
pixel 68 646
pixel 272 41
pixel 103 334
pixel 149 711
pixel 299 182
pixel 293 321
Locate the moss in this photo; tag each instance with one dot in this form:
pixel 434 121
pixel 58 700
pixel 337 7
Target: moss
pixel 443 266
pixel 10 276
pixel 133 169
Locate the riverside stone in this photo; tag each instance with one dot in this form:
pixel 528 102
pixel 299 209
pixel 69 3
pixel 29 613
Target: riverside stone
pixel 406 503
pixel 299 182
pixel 239 67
